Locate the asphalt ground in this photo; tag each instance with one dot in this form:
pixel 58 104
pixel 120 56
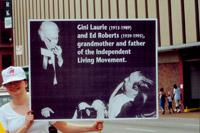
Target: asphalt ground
pixel 185 122
pixel 168 123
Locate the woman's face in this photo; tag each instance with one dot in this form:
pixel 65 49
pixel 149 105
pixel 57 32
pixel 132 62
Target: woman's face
pixel 49 34
pixel 16 88
pixel 51 39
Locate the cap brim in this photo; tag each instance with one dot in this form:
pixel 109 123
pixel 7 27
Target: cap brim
pixel 12 79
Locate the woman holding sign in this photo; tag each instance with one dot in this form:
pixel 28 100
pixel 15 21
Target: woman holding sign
pixel 16 116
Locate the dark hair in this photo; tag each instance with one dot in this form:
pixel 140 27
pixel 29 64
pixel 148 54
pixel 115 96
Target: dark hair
pixel 161 89
pixel 175 86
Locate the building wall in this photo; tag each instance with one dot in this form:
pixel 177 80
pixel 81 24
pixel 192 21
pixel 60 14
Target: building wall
pixel 178 20
pixel 5 51
pixel 168 71
pixel 6 43
pixel 168 75
pixel 168 57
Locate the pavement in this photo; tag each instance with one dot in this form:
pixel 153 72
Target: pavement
pixel 193 114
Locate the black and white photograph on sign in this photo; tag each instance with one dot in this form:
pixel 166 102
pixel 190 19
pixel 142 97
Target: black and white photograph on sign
pixel 93 69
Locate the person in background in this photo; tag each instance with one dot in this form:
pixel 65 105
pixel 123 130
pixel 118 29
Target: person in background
pixel 169 99
pixel 16 116
pixel 177 98
pixel 162 100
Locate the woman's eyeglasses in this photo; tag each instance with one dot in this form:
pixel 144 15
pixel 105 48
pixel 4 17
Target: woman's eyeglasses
pixel 11 84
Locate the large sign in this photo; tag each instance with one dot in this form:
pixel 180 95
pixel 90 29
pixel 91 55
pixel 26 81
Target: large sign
pixel 93 69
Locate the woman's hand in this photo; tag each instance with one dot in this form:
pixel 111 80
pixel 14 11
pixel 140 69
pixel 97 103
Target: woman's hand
pixel 97 125
pixel 46 112
pixel 28 123
pixel 29 119
pixel 57 50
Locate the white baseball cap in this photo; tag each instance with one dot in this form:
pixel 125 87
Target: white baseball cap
pixel 12 73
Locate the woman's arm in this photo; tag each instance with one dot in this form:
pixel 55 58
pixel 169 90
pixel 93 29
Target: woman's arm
pixel 76 128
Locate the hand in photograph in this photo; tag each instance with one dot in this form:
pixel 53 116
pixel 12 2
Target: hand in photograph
pixel 46 112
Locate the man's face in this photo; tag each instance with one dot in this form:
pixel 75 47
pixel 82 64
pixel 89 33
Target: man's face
pixel 130 88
